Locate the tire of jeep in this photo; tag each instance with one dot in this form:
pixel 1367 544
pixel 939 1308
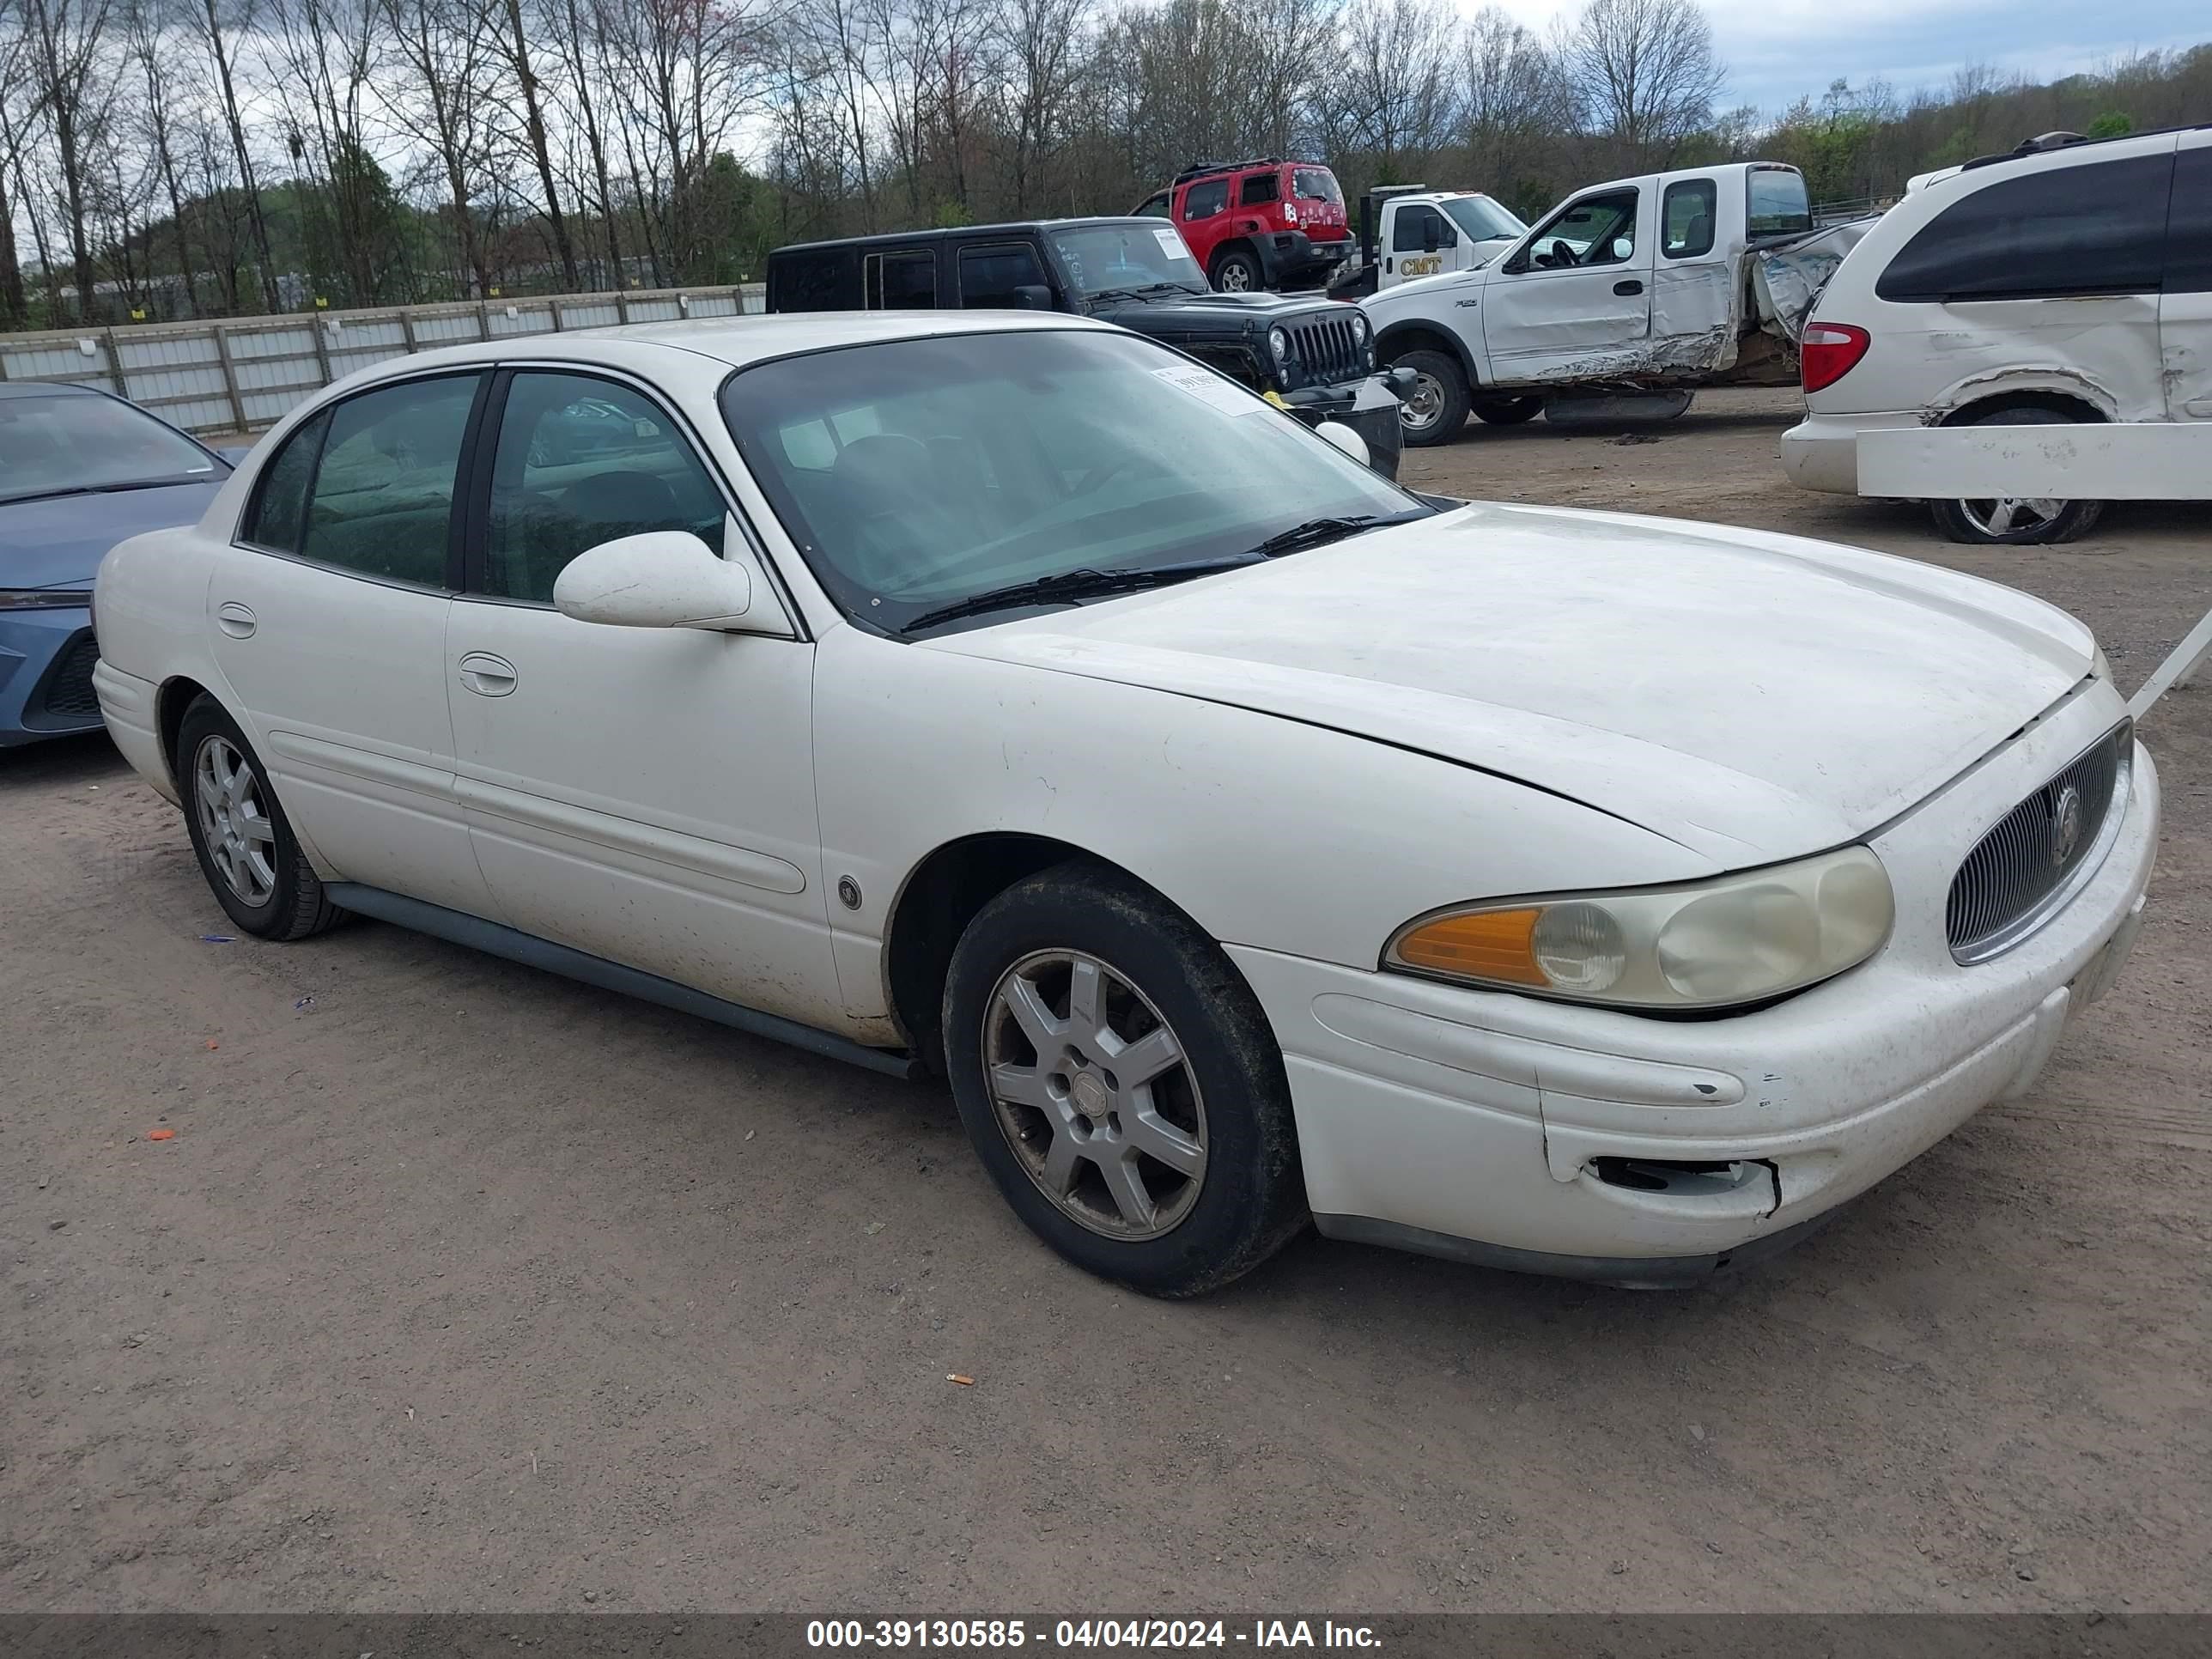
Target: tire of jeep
pixel 1437 407
pixel 2026 521
pixel 1121 1083
pixel 1508 411
pixel 244 842
pixel 1239 272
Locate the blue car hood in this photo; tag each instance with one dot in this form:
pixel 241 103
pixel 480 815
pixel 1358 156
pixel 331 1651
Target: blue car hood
pixel 60 542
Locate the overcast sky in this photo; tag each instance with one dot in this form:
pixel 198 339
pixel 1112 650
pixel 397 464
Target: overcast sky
pixel 1776 49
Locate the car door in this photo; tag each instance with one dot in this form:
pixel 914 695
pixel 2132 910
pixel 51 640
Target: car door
pixel 327 616
pixel 1417 242
pixel 2185 307
pixel 643 794
pixel 1575 298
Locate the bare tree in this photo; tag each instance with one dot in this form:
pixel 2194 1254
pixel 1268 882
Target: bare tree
pixel 1644 73
pixel 218 25
pixel 1040 56
pixel 15 302
pixel 438 101
pixel 1395 94
pixel 149 43
pixel 1512 105
pixel 72 94
pixel 509 35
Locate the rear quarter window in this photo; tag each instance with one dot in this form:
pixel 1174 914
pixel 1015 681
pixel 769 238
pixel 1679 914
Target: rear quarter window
pixel 1775 203
pixel 2097 227
pixel 827 279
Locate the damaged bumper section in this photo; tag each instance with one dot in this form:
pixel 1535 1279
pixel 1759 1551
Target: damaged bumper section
pixel 1550 1138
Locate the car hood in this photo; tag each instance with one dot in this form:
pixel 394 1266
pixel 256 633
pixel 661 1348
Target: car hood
pixel 59 542
pixel 1207 311
pixel 1749 697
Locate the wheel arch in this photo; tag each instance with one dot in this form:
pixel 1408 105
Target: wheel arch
pixel 2061 391
pixel 1237 244
pixel 177 695
pixel 1421 335
pixel 935 904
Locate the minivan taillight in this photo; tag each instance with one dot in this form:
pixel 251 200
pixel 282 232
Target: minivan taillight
pixel 1828 352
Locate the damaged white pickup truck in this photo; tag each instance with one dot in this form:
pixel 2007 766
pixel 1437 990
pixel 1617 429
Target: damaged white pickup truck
pixel 1660 285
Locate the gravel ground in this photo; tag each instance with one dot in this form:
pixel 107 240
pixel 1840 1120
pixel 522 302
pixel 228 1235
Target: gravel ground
pixel 459 1286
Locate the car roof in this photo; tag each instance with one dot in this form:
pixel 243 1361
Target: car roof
pixel 938 233
pixel 736 342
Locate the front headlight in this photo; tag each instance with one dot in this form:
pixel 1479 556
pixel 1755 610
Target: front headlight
pixel 1359 328
pixel 42 598
pixel 1738 938
pixel 1279 343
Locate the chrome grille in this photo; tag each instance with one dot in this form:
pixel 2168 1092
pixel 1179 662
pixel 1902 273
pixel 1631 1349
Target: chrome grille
pixel 1326 348
pixel 2040 854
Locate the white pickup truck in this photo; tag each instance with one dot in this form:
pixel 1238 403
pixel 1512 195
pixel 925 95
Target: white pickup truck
pixel 1409 231
pixel 1674 280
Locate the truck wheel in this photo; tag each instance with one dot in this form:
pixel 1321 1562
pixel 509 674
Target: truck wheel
pixel 1237 272
pixel 1508 411
pixel 2017 521
pixel 1437 407
pixel 1121 1083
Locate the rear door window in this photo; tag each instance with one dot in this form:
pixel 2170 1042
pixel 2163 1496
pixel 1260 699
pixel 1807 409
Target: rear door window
pixel 1259 190
pixel 2099 227
pixel 2189 224
pixel 382 500
pixel 1686 227
pixel 902 281
pixel 1204 201
pixel 1775 203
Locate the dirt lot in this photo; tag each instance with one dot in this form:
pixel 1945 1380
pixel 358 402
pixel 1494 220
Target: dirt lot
pixel 462 1286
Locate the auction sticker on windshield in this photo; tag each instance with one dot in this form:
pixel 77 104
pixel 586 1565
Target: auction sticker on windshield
pixel 1209 387
pixel 1171 244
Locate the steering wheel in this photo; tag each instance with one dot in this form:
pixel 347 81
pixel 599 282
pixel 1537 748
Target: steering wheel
pixel 1561 254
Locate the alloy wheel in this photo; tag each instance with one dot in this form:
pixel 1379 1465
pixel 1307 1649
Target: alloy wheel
pixel 2008 514
pixel 234 822
pixel 1095 1094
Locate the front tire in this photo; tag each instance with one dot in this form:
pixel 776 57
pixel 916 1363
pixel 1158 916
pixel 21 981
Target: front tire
pixel 245 844
pixel 2017 521
pixel 1120 1084
pixel 1239 272
pixel 1437 408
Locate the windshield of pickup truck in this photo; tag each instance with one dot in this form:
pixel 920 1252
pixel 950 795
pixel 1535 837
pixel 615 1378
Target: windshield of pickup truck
pixel 1481 220
pixel 1132 256
pixel 918 475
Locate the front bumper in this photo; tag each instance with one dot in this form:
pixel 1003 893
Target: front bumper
pixel 45 667
pixel 1520 1132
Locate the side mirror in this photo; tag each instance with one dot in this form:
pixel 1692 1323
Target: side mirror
pixel 1622 247
pixel 1336 432
pixel 1032 296
pixel 668 579
pixel 1431 233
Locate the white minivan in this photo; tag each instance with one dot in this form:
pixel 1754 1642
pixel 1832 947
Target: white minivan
pixel 2070 281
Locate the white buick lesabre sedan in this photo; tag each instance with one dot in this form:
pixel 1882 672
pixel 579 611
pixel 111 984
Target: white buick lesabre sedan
pixel 1247 839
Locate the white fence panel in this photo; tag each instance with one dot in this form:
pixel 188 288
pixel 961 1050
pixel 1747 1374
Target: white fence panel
pixel 210 377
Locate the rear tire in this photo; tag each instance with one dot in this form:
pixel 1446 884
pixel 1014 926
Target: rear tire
pixel 1437 408
pixel 1120 1084
pixel 245 844
pixel 1239 272
pixel 1508 411
pixel 2024 521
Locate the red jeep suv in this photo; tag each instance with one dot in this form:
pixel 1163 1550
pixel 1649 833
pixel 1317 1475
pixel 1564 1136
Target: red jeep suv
pixel 1264 223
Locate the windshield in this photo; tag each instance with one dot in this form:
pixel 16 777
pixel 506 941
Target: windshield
pixel 1481 220
pixel 918 473
pixel 1099 257
pixel 1315 185
pixel 63 443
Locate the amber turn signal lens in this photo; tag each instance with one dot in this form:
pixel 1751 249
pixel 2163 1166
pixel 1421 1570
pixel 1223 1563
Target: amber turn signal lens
pixel 1493 944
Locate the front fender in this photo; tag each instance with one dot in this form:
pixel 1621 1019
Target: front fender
pixel 1271 832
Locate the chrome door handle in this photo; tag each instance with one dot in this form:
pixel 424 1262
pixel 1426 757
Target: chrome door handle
pixel 234 619
pixel 486 675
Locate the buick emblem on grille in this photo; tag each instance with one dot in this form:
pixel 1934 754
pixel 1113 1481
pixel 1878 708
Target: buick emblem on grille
pixel 2065 825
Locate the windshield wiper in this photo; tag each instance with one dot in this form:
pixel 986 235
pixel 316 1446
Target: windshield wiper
pixel 1319 532
pixel 105 488
pixel 1067 584
pixel 1143 293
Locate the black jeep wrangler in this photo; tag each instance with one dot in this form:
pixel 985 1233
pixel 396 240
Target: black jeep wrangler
pixel 1313 358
